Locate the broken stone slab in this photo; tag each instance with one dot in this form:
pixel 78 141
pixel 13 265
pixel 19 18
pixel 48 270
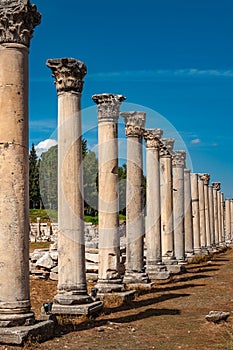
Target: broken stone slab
pixel 91 267
pixel 93 257
pixel 46 261
pixel 217 316
pixel 53 276
pixel 40 332
pixel 54 254
pixel 37 254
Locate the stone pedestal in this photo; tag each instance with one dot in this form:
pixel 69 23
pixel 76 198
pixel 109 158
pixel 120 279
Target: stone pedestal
pixel 109 278
pixel 228 220
pixel 178 163
pixel 206 179
pixel 211 215
pixel 135 269
pixel 154 266
pixel 195 214
pixel 188 220
pixel 202 214
pixel 72 297
pixel 216 188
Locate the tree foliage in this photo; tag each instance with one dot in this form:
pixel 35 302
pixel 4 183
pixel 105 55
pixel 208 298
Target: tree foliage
pixel 34 185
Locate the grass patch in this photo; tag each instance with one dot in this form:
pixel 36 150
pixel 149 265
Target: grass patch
pixel 92 219
pixel 39 245
pixel 47 215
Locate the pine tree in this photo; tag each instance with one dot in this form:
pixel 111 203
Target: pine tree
pixel 34 186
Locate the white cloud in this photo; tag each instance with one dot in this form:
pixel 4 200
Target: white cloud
pixel 163 73
pixel 44 146
pixel 195 141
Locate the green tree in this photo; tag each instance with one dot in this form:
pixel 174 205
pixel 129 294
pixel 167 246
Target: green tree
pixel 90 179
pixel 34 186
pixel 122 174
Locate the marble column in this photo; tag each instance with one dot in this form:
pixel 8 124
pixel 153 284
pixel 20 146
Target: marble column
pixel 222 217
pixel 18 20
pixel 219 196
pixel 72 288
pixel 206 179
pixel 178 163
pixel 228 220
pixel 195 214
pixel 154 265
pixel 202 213
pixel 135 269
pixel 188 219
pixel 166 188
pixel 216 188
pixel 211 214
pixel 109 279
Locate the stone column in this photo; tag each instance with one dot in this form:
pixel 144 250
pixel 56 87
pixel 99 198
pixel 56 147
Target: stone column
pixel 72 288
pixel 222 218
pixel 228 220
pixel 166 188
pixel 109 278
pixel 135 269
pixel 216 188
pixel 211 213
pixel 206 179
pixel 219 196
pixel 154 266
pixel 202 214
pixel 195 213
pixel 18 20
pixel 231 220
pixel 188 220
pixel 178 163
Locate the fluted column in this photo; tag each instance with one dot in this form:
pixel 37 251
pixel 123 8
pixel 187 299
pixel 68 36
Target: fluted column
pixel 18 20
pixel 211 214
pixel 178 163
pixel 134 129
pixel 154 266
pixel 188 219
pixel 216 188
pixel 72 288
pixel 228 219
pixel 195 213
pixel 166 188
pixel 109 278
pixel 219 196
pixel 222 217
pixel 206 179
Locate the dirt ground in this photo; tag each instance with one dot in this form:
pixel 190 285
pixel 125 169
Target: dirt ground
pixel 171 316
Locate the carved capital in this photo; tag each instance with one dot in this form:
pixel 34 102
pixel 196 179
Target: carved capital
pixel 18 18
pixel 69 74
pixel 205 178
pixel 134 123
pixel 108 107
pixel 166 147
pixel 178 160
pixel 216 185
pixel 152 138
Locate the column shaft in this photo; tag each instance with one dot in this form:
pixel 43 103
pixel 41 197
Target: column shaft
pixel 202 214
pixel 228 219
pixel 188 222
pixel 195 213
pixel 211 215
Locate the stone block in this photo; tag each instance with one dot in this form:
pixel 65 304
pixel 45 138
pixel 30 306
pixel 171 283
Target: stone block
pixel 78 309
pixel 39 332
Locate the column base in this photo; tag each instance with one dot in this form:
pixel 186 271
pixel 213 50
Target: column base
pixel 39 332
pixel 124 296
pixel 72 298
pixel 16 320
pixel 197 251
pixel 78 309
pixel 173 267
pixel 109 286
pixel 158 272
pixel 136 278
pixel 189 254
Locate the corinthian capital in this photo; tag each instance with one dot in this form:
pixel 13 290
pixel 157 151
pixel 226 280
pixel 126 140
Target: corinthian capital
pixel 178 160
pixel 69 74
pixel 216 185
pixel 166 147
pixel 152 138
pixel 18 20
pixel 108 106
pixel 205 178
pixel 134 123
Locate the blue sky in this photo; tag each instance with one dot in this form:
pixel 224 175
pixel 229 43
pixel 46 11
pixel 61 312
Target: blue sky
pixel 173 58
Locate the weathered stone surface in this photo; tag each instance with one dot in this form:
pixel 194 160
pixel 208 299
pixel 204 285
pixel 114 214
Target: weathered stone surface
pixel 217 316
pixel 46 261
pixel 80 309
pixel 40 331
